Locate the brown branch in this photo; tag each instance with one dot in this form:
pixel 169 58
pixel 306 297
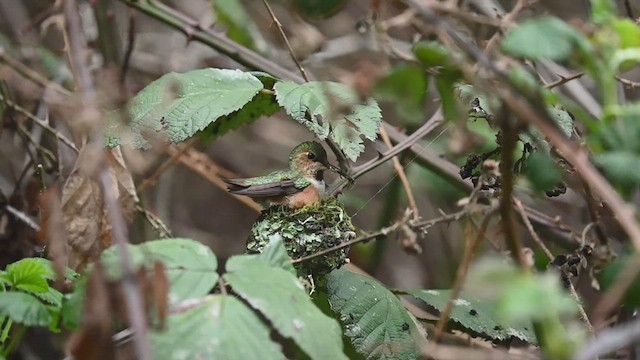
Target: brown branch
pixel 42 123
pixel 173 159
pixel 202 165
pixel 402 175
pixel 532 232
pixel 76 46
pixel 131 41
pixel 461 274
pixel 31 74
pixel 507 178
pixel 286 40
pixel 594 214
pixel 627 82
pixel 564 79
pixel 156 223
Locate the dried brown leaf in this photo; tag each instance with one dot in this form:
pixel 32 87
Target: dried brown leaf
pixel 84 215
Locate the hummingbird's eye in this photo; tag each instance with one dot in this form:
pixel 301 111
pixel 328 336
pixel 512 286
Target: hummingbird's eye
pixel 311 156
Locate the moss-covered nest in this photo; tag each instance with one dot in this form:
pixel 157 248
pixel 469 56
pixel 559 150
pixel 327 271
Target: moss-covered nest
pixel 305 232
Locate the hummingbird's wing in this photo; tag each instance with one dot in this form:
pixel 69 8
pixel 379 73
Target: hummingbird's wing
pixel 249 188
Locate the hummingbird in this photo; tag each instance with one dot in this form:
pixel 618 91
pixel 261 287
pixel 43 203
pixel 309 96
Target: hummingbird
pixel 300 185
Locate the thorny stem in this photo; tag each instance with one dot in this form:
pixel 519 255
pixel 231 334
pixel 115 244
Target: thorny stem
pixel 461 274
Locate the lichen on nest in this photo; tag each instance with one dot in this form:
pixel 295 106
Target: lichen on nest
pixel 305 232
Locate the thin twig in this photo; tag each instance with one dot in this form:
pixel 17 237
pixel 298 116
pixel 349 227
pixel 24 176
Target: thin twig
pixel 564 79
pixel 532 232
pixel 43 124
pixel 384 231
pixel 507 21
pixel 536 238
pixel 286 41
pixel 402 175
pixel 627 82
pixel 202 165
pixel 156 223
pixel 173 159
pixel 461 274
pixel 31 74
pixel 407 142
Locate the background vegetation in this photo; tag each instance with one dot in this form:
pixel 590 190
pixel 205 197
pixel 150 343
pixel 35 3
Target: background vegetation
pixel 495 147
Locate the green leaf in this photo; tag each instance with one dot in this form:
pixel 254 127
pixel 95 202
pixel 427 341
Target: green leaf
pixel 50 274
pixel 191 266
pixel 28 275
pixel 628 33
pixel 275 254
pixel 433 54
pixel 331 109
pixel 52 296
pixel 176 106
pixel 220 327
pixel 517 294
pixel 318 9
pixel 474 316
pixel 240 26
pixel 374 319
pixel 280 297
pixel 562 119
pixel 609 275
pixel 602 10
pixel 445 83
pixel 24 309
pixel 261 105
pixel 545 37
pixel 406 88
pixel 542 171
pixel 619 166
pixel 72 304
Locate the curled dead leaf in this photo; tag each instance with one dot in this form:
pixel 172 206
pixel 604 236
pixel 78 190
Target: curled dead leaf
pixel 84 214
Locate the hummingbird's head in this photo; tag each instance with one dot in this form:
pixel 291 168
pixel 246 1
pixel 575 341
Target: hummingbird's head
pixel 310 159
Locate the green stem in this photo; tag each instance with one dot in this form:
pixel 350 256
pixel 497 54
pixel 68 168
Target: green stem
pixel 14 342
pixel 5 329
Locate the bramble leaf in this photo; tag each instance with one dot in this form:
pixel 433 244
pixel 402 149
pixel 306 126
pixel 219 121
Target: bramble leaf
pixel 279 296
pixel 331 109
pixel 24 309
pixel 177 105
pixel 220 327
pixel 473 315
pixel 545 37
pixel 374 319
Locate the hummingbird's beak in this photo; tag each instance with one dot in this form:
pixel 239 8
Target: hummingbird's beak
pixel 339 171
